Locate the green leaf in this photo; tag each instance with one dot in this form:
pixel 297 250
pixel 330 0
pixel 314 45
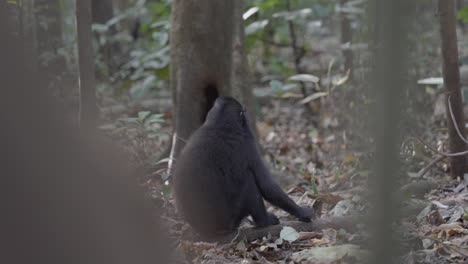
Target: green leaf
pixel 143 115
pixel 99 28
pixel 288 95
pixel 313 185
pixel 161 37
pixel 313 134
pixel 131 120
pixel 312 97
pixel 432 81
pixel 139 90
pixel 276 85
pixel 293 15
pixel 304 78
pixel 156 118
pixel 252 11
pixel 255 27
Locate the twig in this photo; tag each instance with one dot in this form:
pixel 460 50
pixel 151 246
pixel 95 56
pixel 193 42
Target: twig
pixel 455 124
pixel 443 155
pixel 236 237
pixel 171 155
pixel 424 170
pixel 456 154
pixel 449 246
pixel 345 222
pixel 302 197
pixel 273 43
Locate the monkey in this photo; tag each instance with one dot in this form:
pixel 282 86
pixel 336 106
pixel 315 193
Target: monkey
pixel 220 177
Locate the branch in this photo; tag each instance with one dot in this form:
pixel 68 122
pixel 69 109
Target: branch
pixel 424 170
pixel 456 154
pixel 345 222
pixel 442 155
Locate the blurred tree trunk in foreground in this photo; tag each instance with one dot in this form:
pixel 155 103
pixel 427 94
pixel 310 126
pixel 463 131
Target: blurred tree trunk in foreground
pixel 390 30
pixel 88 107
pixel 451 72
pixel 205 36
pixel 68 197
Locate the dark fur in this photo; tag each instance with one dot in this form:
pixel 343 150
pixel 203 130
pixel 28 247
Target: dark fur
pixel 220 177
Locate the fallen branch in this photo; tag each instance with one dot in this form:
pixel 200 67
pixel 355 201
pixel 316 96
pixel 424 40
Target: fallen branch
pixel 348 223
pixel 417 189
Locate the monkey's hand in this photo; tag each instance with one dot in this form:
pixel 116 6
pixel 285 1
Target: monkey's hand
pixel 272 219
pixel 305 214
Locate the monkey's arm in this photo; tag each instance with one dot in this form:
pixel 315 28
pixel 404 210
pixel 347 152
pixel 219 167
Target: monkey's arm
pixel 273 193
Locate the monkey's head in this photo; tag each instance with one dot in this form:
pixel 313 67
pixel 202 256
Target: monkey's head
pixel 227 112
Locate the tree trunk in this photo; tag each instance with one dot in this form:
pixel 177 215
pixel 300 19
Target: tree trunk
pixel 452 84
pixel 390 23
pixel 102 11
pixel 202 66
pixel 88 107
pixel 346 39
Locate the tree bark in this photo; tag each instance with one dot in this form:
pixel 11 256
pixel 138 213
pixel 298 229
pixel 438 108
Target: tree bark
pixel 452 84
pixel 102 11
pixel 88 107
pixel 202 66
pixel 390 25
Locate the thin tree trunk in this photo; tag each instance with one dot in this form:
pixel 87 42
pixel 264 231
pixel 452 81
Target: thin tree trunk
pixel 297 51
pixel 88 107
pixel 452 83
pixel 346 38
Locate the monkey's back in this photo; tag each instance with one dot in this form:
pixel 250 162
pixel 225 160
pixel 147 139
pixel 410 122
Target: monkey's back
pixel 207 181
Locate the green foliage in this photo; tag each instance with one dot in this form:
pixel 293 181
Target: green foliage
pixel 145 125
pixel 463 14
pixel 142 67
pixel 267 28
